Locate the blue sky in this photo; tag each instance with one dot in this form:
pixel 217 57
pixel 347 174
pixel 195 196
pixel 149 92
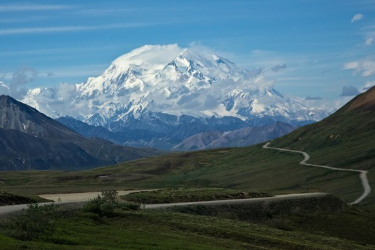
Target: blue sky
pixel 324 45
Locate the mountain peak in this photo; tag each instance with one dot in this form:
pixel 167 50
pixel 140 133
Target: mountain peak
pixel 149 56
pixel 5 97
pixel 172 80
pixel 18 116
pixel 6 101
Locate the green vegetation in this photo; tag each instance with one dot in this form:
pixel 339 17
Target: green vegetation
pixel 35 223
pixel 190 194
pixel 103 205
pixel 345 139
pixel 172 230
pixel 13 199
pixel 106 204
pixel 266 210
pixel 249 168
pixel 325 216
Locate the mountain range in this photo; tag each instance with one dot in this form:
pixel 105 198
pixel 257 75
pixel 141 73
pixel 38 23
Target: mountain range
pixel 159 95
pixel 237 138
pixel 31 140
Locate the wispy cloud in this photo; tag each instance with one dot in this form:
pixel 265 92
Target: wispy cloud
pixel 351 65
pixel 367 86
pixel 31 7
pixel 25 19
pixel 60 72
pixel 84 71
pixel 55 51
pixel 5 32
pixel 105 11
pixel 369 41
pixel 367 67
pixel 357 17
pixel 278 67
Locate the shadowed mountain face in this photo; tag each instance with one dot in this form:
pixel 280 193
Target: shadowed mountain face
pixel 31 140
pixel 237 138
pixel 194 136
pixel 21 117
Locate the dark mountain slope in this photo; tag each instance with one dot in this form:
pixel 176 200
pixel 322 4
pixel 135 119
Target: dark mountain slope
pixel 23 118
pixel 86 129
pixel 20 151
pixel 155 130
pixel 31 140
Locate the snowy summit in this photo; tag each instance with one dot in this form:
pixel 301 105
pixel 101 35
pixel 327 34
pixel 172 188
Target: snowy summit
pixel 168 79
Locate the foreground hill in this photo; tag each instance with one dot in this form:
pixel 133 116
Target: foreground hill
pixel 345 139
pixel 31 140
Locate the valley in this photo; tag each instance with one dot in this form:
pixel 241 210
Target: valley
pixel 292 212
pixel 187 125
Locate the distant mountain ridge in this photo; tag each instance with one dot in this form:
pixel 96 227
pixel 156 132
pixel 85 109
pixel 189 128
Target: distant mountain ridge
pixel 162 94
pixel 31 140
pixel 237 138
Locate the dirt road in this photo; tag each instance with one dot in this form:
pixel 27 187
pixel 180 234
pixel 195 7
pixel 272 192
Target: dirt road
pixel 362 173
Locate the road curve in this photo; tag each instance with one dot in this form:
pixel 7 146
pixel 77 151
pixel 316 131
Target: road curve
pixel 235 201
pixel 362 173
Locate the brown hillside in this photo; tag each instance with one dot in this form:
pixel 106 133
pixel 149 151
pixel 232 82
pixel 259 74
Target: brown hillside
pixel 363 102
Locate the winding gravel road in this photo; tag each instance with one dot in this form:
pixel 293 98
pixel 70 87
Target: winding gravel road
pixel 362 173
pixel 236 201
pixel 5 210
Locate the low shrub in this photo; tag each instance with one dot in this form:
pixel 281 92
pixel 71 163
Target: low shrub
pixel 103 205
pixel 34 223
pixel 130 206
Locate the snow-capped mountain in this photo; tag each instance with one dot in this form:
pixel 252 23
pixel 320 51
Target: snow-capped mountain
pixel 161 88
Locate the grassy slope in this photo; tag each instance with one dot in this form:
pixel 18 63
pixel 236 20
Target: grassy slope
pixel 244 168
pixel 165 230
pixel 346 139
pixel 13 199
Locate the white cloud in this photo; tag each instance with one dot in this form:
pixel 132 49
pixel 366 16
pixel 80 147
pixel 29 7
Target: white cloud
pixel 31 7
pixel 331 105
pixel 367 86
pixel 351 65
pixel 4 32
pixel 369 41
pixel 17 81
pixel 366 67
pixel 357 17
